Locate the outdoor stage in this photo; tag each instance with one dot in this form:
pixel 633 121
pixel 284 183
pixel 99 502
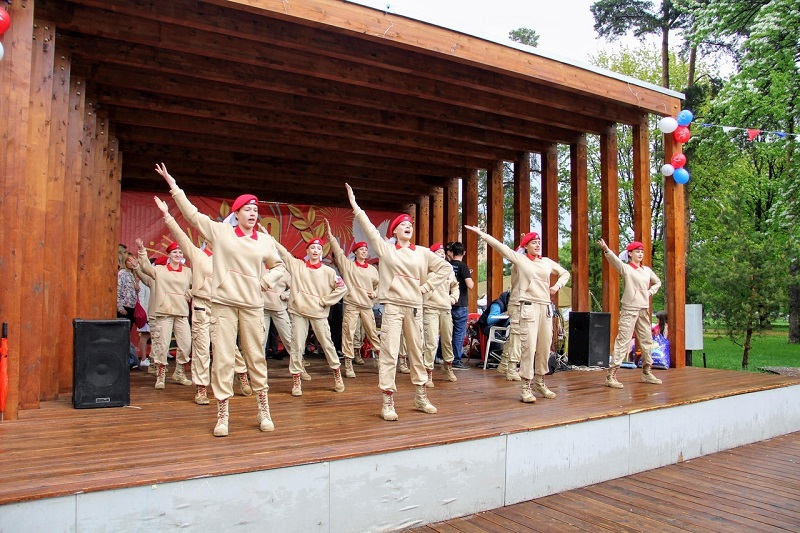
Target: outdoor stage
pixel 333 465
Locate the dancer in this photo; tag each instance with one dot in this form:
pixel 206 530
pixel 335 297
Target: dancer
pixel 437 321
pixel 641 283
pixel 361 280
pixel 276 302
pixel 530 308
pixel 314 289
pixel 237 305
pixel 404 271
pixel 169 310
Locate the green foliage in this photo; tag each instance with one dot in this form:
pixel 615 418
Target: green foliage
pixel 769 349
pixel 525 36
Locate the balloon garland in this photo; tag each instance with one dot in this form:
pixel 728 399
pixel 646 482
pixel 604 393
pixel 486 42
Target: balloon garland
pixel 5 23
pixel 679 128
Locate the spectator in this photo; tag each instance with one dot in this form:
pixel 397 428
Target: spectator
pixel 459 312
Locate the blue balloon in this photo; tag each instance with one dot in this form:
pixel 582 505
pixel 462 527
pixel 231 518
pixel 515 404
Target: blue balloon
pixel 685 118
pixel 681 176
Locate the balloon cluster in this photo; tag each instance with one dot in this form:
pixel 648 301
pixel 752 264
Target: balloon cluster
pixel 679 128
pixel 5 23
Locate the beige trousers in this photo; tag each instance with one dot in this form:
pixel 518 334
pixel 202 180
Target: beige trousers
pixel 631 320
pixel 322 330
pixel 400 322
pixel 226 323
pixel 535 333
pixel 201 342
pixel 161 328
pixel 354 319
pixel 282 323
pixel 437 323
pixel 511 346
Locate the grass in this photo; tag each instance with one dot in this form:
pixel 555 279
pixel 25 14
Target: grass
pixel 770 349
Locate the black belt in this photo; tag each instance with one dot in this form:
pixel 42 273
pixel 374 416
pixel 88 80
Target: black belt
pixel 199 308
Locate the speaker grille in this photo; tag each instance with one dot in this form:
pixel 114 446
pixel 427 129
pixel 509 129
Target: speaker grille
pixel 101 375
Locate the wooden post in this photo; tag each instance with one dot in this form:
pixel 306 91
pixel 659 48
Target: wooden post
pixel 609 208
pixel 522 195
pixel 580 226
pixel 470 218
pixel 437 216
pixel 675 260
pixel 494 227
pixel 549 192
pixel 424 221
pixel 451 213
pixel 88 307
pixel 642 225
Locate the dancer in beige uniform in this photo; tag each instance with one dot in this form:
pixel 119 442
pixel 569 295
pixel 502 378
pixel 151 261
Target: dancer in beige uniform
pixel 361 280
pixel 237 305
pixel 276 303
pixel 314 289
pixel 641 284
pixel 438 322
pixel 405 276
pixel 169 310
pixel 530 308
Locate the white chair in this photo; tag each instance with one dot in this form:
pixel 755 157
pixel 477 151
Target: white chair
pixel 494 336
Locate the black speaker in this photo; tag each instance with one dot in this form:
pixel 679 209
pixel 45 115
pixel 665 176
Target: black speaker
pixel 589 339
pixel 100 370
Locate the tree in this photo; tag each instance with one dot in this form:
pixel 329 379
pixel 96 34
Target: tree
pixel 525 36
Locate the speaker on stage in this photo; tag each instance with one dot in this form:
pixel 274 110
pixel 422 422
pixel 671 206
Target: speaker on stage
pixel 100 370
pixel 589 339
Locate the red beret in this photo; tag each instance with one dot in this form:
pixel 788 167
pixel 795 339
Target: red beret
pixel 244 200
pixel 528 237
pixel 635 245
pixel 172 246
pixel 160 260
pixel 396 222
pixel 315 241
pixel 359 244
pixel 436 246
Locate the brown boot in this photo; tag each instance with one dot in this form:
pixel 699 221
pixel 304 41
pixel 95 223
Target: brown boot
pixel 448 371
pixel 541 388
pixel 648 376
pixel 421 402
pixel 297 389
pixel 179 376
pixel 387 411
pixel 526 394
pixel 429 383
pixel 161 376
pixel 264 418
pixel 611 378
pixel 338 384
pixel 348 368
pixel 201 396
pixel 244 384
pixel 221 429
pixel 404 365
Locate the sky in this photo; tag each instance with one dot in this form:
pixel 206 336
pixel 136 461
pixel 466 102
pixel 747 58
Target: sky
pixel 565 27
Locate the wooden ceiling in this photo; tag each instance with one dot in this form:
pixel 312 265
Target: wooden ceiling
pixel 290 99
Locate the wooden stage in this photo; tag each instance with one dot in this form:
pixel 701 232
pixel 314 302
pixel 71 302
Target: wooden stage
pixel 482 450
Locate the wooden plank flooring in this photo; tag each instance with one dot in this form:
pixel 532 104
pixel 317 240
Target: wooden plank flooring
pixel 163 436
pixel 750 488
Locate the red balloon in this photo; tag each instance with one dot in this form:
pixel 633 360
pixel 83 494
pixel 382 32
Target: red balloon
pixel 682 134
pixel 678 160
pixel 5 21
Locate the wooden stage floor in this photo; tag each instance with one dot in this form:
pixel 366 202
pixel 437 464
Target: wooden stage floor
pixel 751 488
pixel 163 436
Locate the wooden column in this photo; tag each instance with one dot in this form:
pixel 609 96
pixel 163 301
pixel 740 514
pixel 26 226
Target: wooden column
pixel 424 221
pixel 609 208
pixel 88 307
pixel 642 216
pixel 451 213
pixel 494 227
pixel 15 87
pixel 437 216
pixel 36 345
pixel 580 226
pixel 675 260
pixel 522 195
pixel 549 188
pixel 470 218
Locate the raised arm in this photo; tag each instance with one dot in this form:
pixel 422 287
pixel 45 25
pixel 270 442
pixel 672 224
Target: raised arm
pixel 504 250
pixel 144 263
pixel 197 219
pixel 187 246
pixel 617 263
pixel 374 237
pixel 338 253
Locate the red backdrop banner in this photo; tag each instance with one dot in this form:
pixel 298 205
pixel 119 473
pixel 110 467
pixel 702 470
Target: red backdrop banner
pixel 293 225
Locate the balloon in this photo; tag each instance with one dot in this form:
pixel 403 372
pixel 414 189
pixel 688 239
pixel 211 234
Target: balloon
pixel 685 117
pixel 2 52
pixel 667 170
pixel 5 21
pixel 681 176
pixel 682 134
pixel 667 124
pixel 678 160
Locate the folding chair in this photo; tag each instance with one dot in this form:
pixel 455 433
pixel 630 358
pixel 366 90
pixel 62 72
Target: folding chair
pixel 494 336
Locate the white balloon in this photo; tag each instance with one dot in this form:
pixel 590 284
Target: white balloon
pixel 667 125
pixel 667 170
pixel 2 52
